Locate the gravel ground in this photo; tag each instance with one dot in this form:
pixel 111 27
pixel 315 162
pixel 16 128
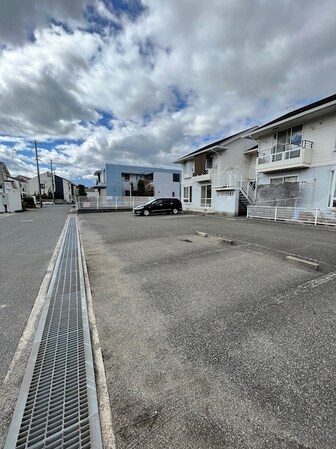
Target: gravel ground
pixel 208 345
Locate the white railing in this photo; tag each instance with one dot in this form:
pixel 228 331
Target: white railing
pixel 293 214
pixel 235 178
pixel 111 202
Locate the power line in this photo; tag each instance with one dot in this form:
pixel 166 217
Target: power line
pixel 46 133
pixel 13 113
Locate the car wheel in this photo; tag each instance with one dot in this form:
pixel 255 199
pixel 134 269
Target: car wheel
pixel 174 211
pixel 146 213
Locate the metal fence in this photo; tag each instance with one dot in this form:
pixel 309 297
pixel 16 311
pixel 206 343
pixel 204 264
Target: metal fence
pixel 293 214
pixel 111 202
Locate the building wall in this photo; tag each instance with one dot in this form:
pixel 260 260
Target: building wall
pixel 195 205
pixel 63 188
pixel 45 179
pixel 251 160
pixel 314 185
pixel 12 200
pixel 322 132
pixel 68 191
pixel 165 186
pixel 315 180
pixel 115 186
pixel 226 201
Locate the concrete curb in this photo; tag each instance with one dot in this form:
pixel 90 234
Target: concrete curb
pixel 104 406
pixel 225 240
pixel 299 261
pixel 201 234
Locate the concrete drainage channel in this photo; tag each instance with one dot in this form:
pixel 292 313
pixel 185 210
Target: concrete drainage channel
pixel 57 405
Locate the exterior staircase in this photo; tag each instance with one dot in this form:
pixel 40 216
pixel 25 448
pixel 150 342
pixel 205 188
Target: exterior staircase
pixel 235 178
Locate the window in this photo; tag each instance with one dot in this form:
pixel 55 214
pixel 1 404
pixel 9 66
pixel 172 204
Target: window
pixel 282 179
pixel 208 162
pixel 187 194
pixel 173 194
pixel 206 196
pixel 287 140
pixel 188 169
pixel 126 176
pixel 176 177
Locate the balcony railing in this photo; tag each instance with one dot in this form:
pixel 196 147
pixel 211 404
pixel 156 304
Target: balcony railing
pixel 286 156
pixel 205 176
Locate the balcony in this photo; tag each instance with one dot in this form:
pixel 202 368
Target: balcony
pixel 205 176
pixel 289 157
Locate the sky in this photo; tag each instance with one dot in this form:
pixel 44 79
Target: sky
pixel 146 82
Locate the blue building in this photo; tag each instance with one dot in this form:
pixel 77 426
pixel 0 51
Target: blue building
pixel 123 180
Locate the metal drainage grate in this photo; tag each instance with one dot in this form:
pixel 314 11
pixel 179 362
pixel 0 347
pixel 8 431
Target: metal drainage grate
pixel 57 404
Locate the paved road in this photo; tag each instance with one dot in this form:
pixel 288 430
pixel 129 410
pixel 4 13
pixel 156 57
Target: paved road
pixel 27 241
pixel 213 346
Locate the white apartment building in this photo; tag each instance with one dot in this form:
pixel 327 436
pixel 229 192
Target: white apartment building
pixel 220 177
pixel 296 164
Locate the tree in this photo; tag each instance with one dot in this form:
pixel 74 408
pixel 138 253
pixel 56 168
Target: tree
pixel 81 190
pixel 141 188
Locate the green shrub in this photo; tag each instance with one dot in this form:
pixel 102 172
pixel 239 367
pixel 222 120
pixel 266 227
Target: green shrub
pixel 28 202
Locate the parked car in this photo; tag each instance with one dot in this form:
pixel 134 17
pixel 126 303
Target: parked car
pixel 163 205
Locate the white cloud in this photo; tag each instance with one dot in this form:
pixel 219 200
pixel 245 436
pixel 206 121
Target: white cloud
pixel 180 72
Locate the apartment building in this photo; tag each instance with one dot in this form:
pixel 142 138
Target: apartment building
pixel 220 177
pixel 123 180
pixel 296 163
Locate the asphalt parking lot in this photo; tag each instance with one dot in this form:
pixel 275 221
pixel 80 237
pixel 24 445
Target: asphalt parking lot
pixel 210 345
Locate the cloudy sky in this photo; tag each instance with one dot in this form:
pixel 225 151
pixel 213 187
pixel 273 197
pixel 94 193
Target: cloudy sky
pixel 144 82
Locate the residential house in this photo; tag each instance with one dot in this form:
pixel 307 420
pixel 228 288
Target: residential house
pixel 54 186
pixel 10 198
pixel 22 183
pixel 122 180
pixel 296 164
pixel 220 177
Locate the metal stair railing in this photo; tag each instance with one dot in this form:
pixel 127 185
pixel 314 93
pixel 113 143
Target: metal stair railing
pixel 234 177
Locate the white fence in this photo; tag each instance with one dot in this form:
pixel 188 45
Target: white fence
pixel 293 214
pixel 111 202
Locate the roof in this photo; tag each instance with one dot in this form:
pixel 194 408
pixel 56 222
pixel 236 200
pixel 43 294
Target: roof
pixel 22 178
pixel 317 105
pixel 219 144
pixel 4 168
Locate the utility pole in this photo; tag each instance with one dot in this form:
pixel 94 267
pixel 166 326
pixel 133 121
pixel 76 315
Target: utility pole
pixel 38 174
pixel 52 180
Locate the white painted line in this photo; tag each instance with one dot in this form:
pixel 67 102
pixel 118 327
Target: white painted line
pixel 25 221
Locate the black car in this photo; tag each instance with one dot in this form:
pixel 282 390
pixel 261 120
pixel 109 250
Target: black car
pixel 164 205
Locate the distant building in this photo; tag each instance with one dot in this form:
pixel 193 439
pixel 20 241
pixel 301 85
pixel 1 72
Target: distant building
pixel 22 183
pixel 53 186
pixel 123 180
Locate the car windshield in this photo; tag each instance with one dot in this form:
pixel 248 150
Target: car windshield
pixel 148 202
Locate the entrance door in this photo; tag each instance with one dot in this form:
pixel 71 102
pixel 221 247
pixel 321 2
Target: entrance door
pixel 206 196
